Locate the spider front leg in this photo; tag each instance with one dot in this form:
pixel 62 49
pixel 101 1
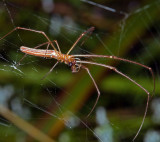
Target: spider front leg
pixel 127 77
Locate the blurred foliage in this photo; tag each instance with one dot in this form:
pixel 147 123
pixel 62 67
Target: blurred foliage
pixel 48 104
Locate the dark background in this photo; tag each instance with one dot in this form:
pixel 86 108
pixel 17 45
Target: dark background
pixel 131 32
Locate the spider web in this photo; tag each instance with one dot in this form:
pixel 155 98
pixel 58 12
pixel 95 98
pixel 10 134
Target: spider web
pixel 58 104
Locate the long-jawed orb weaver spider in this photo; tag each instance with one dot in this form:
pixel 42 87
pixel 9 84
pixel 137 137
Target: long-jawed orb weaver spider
pixel 76 63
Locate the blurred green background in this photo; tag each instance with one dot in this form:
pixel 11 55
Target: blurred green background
pixel 59 104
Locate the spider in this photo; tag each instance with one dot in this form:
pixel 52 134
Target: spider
pixel 76 63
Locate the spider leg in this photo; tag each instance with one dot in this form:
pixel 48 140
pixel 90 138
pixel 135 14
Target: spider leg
pixel 40 32
pixel 84 33
pixel 95 87
pixel 127 77
pixel 57 45
pixel 124 60
pixel 50 70
pixel 26 29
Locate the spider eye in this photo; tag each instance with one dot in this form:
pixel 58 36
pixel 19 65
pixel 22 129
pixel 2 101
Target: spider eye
pixel 70 64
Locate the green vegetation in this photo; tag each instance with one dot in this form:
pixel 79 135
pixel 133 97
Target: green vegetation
pixel 52 101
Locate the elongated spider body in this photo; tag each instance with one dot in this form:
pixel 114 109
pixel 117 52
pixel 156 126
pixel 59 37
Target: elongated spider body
pixel 63 58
